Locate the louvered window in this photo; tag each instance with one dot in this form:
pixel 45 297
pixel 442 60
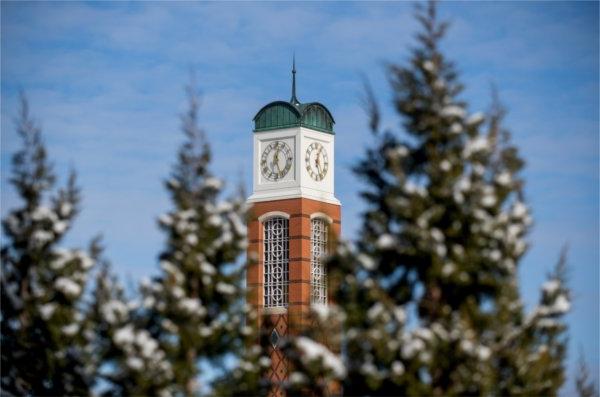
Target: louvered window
pixel 276 262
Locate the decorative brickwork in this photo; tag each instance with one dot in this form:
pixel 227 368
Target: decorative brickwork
pixel 277 324
pixel 287 320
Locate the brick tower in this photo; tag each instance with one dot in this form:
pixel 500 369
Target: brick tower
pixel 293 214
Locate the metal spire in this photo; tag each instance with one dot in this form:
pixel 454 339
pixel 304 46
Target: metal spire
pixel 294 100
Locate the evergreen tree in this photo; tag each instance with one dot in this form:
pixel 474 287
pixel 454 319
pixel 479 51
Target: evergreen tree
pixel 530 354
pixel 193 308
pixel 316 366
pixel 129 359
pixel 585 386
pixel 430 292
pixel 248 377
pixel 44 332
pixel 442 239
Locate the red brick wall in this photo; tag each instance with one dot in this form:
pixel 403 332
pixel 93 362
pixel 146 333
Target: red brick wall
pixel 296 316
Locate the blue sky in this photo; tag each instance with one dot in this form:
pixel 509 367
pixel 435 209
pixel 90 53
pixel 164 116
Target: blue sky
pixel 106 80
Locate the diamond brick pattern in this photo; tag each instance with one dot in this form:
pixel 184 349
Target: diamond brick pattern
pixel 274 338
pixel 279 366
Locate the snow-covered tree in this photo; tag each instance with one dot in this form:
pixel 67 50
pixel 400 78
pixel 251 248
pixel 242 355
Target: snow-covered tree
pixel 529 357
pixel 193 307
pixel 248 377
pixel 316 365
pixel 430 292
pixel 130 361
pixel 44 330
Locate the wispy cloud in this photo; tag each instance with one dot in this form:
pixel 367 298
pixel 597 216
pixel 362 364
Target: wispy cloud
pixel 106 81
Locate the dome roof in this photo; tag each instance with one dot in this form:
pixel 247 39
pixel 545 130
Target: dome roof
pixel 282 114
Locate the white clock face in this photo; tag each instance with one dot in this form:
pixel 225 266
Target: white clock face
pixel 276 161
pixel 317 162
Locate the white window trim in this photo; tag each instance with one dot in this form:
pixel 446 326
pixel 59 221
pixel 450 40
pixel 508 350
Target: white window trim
pixel 321 216
pixel 274 310
pixel 273 214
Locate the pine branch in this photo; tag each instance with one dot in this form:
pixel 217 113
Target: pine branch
pixel 585 386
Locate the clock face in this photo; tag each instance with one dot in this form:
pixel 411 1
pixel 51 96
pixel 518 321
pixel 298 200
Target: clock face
pixel 276 160
pixel 317 162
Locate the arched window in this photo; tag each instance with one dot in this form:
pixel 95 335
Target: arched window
pixel 318 271
pixel 276 261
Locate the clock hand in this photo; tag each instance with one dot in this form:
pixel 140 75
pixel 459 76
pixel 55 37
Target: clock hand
pixel 275 161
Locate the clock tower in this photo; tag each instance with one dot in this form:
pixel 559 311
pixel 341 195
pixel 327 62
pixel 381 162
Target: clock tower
pixel 294 215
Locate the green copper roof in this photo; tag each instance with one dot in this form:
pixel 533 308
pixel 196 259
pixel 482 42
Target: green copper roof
pixel 281 114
